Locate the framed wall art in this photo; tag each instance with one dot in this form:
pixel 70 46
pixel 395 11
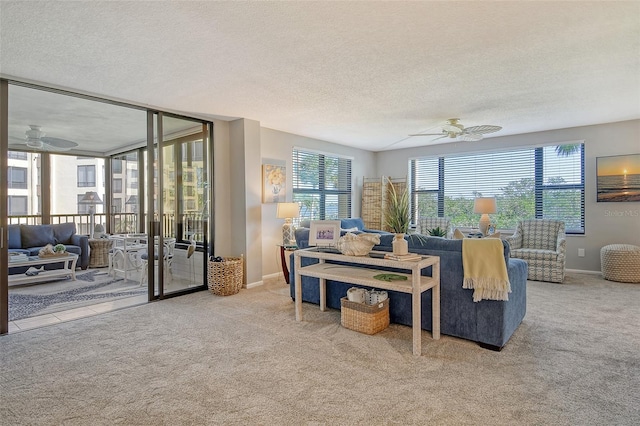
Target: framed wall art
pixel 618 178
pixel 274 181
pixel 324 233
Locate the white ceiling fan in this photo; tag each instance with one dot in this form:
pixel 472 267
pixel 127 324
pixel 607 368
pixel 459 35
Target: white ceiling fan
pixel 453 129
pixel 36 139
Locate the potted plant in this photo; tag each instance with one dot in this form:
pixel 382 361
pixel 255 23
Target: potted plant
pixel 397 216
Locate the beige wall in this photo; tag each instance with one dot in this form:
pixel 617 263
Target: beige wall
pixel 605 223
pixel 277 146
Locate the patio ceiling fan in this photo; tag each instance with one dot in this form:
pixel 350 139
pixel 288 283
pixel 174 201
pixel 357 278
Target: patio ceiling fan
pixel 454 129
pixel 36 139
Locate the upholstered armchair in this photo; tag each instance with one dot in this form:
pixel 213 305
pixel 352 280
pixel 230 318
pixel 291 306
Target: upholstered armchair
pixel 425 224
pixel 542 244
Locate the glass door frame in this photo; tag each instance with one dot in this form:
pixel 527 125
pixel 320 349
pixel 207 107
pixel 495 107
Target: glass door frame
pixel 154 193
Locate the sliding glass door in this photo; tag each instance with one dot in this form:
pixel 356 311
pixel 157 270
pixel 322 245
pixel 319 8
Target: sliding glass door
pixel 177 204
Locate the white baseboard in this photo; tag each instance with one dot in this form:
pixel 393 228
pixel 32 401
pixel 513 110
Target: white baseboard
pixel 582 271
pixel 255 284
pixel 270 276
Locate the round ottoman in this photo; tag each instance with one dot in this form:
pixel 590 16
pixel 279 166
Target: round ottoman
pixel 621 262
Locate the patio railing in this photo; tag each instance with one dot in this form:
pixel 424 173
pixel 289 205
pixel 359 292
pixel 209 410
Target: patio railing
pixel 191 226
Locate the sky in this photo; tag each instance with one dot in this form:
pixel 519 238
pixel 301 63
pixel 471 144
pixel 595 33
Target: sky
pixel 616 165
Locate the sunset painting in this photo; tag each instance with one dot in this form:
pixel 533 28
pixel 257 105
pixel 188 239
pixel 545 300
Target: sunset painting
pixel 618 178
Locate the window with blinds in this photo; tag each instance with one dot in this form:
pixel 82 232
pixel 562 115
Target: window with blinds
pixel 542 182
pixel 321 185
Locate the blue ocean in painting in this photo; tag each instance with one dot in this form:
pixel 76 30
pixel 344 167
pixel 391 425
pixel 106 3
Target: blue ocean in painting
pixel 619 188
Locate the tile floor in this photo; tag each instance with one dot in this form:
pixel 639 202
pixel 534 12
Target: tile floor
pixel 175 282
pixel 72 314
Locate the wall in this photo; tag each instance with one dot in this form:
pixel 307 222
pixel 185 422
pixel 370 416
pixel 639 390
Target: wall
pixel 605 223
pixel 277 146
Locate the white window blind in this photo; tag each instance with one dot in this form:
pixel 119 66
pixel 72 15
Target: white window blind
pixel 321 185
pixel 542 182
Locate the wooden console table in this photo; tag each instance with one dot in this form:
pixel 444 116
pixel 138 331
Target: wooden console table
pixel 353 274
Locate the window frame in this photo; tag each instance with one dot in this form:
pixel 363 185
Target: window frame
pixel 83 175
pixel 320 188
pixel 540 188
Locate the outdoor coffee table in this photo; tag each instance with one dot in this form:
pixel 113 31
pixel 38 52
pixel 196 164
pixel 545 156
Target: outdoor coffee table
pixel 68 270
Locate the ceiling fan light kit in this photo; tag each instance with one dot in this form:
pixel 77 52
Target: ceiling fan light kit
pixel 34 136
pixel 454 129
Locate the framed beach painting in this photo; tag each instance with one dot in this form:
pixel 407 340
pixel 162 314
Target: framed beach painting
pixel 618 178
pixel 274 180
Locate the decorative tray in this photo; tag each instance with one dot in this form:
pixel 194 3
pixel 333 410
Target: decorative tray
pixel 54 254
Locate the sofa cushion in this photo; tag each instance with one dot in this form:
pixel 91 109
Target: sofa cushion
pixel 36 235
pixel 354 222
pixel 534 254
pixel 63 232
pixel 15 241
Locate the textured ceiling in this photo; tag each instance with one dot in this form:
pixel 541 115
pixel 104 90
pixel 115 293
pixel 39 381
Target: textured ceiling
pixel 364 74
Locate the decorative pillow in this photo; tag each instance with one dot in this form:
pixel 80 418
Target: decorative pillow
pixel 458 235
pixel 14 237
pixel 36 235
pixel 63 232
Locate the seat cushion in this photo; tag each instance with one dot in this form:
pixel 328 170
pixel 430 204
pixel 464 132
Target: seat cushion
pixel 534 254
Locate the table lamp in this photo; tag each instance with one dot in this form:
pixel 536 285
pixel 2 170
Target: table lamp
pixel 92 198
pixel 287 211
pixel 484 206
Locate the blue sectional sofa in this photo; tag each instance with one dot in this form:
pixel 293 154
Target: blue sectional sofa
pixel 488 322
pixel 29 239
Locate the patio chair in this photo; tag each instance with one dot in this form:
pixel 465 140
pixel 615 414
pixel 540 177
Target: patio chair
pixel 168 252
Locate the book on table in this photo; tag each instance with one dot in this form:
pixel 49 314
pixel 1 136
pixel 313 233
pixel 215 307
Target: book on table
pixel 408 256
pixel 17 257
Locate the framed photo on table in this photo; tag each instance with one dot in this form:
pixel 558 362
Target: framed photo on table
pixel 324 233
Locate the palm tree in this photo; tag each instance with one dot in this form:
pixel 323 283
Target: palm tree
pixel 567 149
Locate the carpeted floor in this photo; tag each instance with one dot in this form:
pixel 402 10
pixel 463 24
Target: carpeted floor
pixel 91 286
pixel 243 359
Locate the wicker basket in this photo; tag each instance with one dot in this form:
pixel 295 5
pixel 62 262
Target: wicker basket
pixel 225 278
pixel 368 319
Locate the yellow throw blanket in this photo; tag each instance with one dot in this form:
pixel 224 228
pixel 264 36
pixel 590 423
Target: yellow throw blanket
pixel 485 270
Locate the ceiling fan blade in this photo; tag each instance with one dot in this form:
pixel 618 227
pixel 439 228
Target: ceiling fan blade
pixel 60 144
pixel 428 134
pixel 482 130
pixel 471 137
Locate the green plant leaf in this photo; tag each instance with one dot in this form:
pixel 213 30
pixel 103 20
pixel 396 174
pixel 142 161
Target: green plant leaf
pixel 390 277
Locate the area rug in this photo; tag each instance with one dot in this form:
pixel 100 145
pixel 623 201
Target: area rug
pixel 90 287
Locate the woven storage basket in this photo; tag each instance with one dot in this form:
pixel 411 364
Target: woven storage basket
pixel 225 278
pixel 368 319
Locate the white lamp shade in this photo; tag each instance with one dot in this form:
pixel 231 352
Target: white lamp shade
pixel 485 205
pixel 287 210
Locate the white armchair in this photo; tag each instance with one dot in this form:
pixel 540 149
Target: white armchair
pixel 425 224
pixel 542 244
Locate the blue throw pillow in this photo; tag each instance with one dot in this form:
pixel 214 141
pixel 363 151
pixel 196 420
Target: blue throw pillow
pixel 36 235
pixel 15 242
pixel 63 232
